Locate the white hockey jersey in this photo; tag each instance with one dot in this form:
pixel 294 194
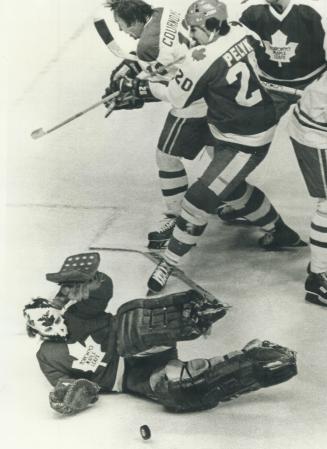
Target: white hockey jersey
pixel 295 41
pixel 224 74
pixel 308 122
pixel 164 42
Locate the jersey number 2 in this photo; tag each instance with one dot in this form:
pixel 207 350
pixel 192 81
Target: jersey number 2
pixel 243 97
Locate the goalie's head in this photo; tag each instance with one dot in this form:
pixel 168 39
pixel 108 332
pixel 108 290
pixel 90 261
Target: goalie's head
pixel 207 19
pixel 45 320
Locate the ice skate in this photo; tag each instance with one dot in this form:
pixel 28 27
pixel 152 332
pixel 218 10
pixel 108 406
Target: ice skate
pixel 281 237
pixel 316 288
pixel 160 276
pixel 159 238
pixel 231 216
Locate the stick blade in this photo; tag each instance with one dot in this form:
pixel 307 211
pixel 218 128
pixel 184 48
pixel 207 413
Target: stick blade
pixel 37 133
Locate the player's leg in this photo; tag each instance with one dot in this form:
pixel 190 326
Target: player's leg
pixel 313 165
pixel 180 138
pixel 251 203
pixel 220 172
pixel 202 383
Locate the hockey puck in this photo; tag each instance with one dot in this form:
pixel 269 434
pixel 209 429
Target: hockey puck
pixel 145 432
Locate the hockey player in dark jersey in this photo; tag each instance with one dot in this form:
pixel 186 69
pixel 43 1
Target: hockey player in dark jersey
pixel 241 117
pixel 85 350
pixel 295 43
pixel 162 40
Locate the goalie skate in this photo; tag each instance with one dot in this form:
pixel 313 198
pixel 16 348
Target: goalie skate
pixel 159 238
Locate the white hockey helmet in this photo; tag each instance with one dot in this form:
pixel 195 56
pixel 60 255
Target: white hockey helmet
pixel 202 10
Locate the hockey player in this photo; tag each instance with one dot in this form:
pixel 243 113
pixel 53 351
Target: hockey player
pixel 86 350
pixel 162 40
pixel 295 43
pixel 292 53
pixel 242 120
pixel 308 131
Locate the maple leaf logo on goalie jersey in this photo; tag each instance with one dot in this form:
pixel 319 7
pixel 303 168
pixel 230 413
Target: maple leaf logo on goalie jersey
pixel 88 357
pixel 279 49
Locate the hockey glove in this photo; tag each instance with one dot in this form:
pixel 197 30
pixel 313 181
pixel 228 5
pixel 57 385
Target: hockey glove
pixel 71 396
pixel 127 68
pixel 139 89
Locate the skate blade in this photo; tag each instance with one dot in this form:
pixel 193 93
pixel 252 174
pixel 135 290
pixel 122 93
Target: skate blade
pixel 150 293
pixel 313 298
pixel 158 245
pixel 299 244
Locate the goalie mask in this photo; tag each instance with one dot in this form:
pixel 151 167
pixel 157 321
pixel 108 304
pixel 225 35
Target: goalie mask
pixel 44 319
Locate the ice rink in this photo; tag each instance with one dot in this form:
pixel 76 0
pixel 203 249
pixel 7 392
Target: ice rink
pixel 93 183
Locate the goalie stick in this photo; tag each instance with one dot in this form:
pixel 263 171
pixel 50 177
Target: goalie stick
pixel 177 273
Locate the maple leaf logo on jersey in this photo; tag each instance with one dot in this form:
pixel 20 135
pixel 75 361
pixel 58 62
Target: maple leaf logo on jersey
pixel 199 54
pixel 279 50
pixel 88 357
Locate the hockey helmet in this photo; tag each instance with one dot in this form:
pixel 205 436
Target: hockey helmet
pixel 202 10
pixel 44 319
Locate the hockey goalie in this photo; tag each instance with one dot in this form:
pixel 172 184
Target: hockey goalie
pixel 86 351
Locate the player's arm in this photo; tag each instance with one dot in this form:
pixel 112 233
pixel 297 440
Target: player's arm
pixel 70 395
pixel 187 86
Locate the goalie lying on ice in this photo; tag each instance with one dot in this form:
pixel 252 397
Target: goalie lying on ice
pixel 86 350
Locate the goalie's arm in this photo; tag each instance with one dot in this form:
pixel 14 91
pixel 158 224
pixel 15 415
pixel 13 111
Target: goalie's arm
pixel 54 370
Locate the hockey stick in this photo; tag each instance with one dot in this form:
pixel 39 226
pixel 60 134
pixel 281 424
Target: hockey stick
pixel 283 89
pixel 107 37
pixel 177 273
pixel 40 132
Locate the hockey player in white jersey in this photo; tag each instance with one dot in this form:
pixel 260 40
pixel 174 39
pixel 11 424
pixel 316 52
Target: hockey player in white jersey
pixel 308 130
pixel 242 120
pixel 294 34
pixel 162 40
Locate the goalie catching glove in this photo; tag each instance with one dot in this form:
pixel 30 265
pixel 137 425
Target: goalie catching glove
pixel 145 323
pixel 71 396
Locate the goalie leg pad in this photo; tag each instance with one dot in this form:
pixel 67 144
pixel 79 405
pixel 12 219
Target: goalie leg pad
pixel 202 384
pixel 145 323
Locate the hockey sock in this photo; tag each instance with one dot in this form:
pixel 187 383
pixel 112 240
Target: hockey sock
pixel 255 207
pixel 173 185
pixel 189 227
pixel 318 242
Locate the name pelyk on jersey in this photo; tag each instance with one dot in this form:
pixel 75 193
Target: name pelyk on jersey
pixel 237 52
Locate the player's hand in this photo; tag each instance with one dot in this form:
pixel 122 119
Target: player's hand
pixel 73 395
pixel 127 68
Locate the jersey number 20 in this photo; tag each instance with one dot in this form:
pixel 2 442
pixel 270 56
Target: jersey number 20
pixel 243 97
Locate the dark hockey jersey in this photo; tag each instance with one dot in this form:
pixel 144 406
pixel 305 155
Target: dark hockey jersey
pixel 224 74
pixel 90 351
pixel 295 41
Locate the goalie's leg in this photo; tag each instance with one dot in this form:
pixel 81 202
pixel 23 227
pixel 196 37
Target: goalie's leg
pixel 202 383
